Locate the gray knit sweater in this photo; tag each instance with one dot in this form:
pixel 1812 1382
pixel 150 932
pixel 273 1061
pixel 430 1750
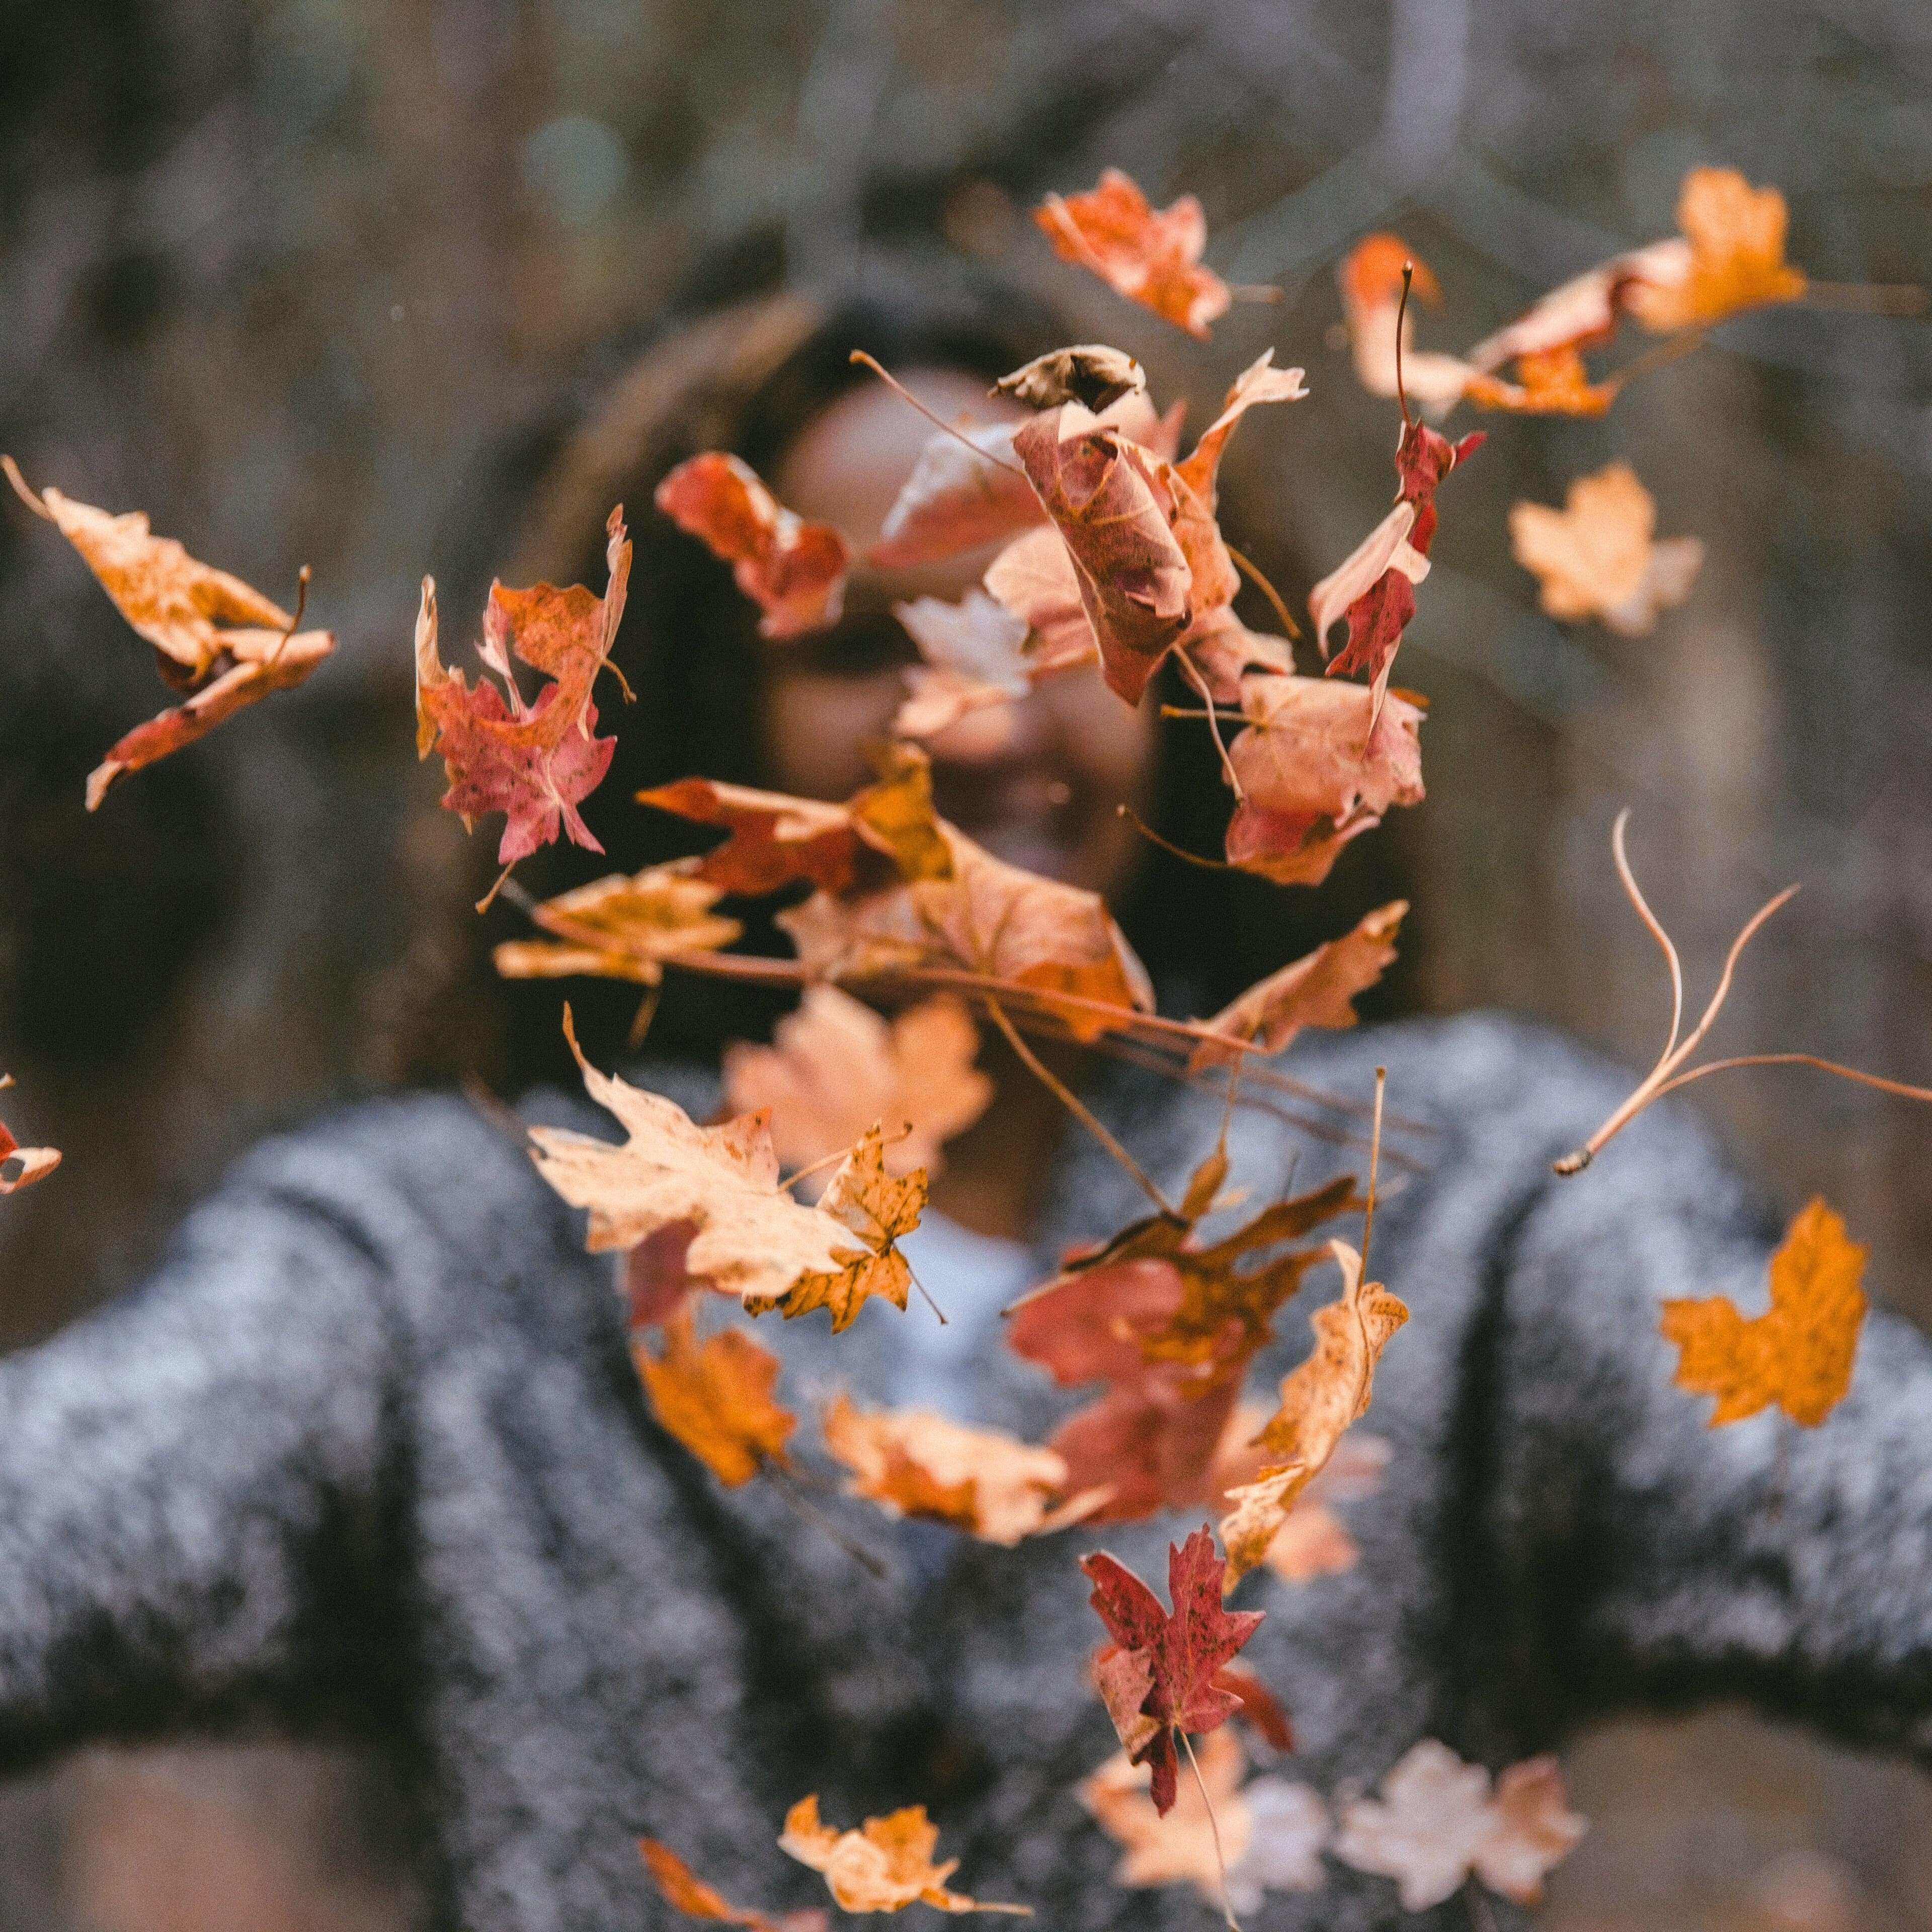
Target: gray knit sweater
pixel 368 1455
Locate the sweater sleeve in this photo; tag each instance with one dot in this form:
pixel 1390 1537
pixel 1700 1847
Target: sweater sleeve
pixel 196 1511
pixel 1618 1551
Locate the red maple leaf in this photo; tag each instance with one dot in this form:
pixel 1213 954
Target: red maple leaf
pixel 1181 1650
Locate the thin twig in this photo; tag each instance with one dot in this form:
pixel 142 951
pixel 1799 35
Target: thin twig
pixel 1074 1105
pixel 1666 352
pixel 1214 1826
pixel 502 880
pixel 640 1021
pixel 893 383
pixel 926 1294
pixel 1375 1161
pixel 1900 1087
pixel 1656 931
pixel 1253 573
pixel 295 623
pixel 1401 310
pixel 1200 684
pixel 784 1485
pixel 1147 832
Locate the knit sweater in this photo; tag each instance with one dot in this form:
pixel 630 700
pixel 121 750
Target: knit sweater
pixel 367 1456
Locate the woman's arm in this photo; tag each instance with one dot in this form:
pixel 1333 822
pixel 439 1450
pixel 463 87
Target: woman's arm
pixel 1618 1549
pixel 196 1521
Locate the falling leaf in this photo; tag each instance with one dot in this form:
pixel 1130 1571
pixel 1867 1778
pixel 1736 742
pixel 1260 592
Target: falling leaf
pixel 622 927
pixel 683 1891
pixel 213 637
pixel 1316 991
pixel 1260 382
pixel 835 1067
pixel 1436 1823
pixel 1037 935
pixel 1736 260
pixel 1115 515
pixel 1371 279
pixel 1319 1398
pixel 1551 382
pixel 1151 256
pixel 1312 1540
pixel 1259 1705
pixel 1595 558
pixel 1291 1828
pixel 884 1866
pixel 1176 1847
pixel 793 570
pixel 883 830
pixel 1183 1647
pixel 21 1167
pixel 975 656
pixel 983 1481
pixel 964 490
pixel 535 763
pixel 1799 1354
pixel 1374 589
pixel 1583 313
pixel 715 1397
pixel 879 1208
pixel 1034 580
pixel 1172 1325
pixel 749 1238
pixel 1315 773
pixel 1089 373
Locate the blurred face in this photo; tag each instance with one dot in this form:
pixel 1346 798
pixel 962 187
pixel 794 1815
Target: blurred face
pixel 1036 782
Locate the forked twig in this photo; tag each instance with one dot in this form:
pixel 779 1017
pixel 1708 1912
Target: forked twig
pixel 1669 1074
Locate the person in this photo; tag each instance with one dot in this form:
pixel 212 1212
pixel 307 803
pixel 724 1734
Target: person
pixel 368 1455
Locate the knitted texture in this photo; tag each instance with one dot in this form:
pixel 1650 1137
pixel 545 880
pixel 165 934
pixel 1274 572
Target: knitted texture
pixel 368 1457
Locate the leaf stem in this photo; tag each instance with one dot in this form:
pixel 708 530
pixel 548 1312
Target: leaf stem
pixel 1254 574
pixel 893 383
pixel 1200 684
pixel 1214 1825
pixel 1375 1161
pixel 1074 1105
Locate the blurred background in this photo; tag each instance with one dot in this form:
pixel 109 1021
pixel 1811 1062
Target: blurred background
pixel 321 281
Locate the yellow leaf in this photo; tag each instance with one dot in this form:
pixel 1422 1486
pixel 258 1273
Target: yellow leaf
pixel 884 1866
pixel 715 1397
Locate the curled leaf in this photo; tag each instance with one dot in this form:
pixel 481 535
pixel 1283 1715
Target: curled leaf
pixel 1151 256
pixel 884 1866
pixel 793 570
pixel 1089 373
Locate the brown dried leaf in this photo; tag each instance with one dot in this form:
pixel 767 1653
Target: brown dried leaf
pixel 1179 1848
pixel 1089 373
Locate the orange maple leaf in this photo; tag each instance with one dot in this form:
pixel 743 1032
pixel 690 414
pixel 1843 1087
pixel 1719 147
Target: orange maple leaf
pixel 884 1866
pixel 792 570
pixel 1151 256
pixel 1798 1353
pixel 1595 556
pixel 622 927
pixel 1180 1847
pixel 683 1891
pixel 835 1066
pixel 715 1397
pixel 215 636
pixel 1735 259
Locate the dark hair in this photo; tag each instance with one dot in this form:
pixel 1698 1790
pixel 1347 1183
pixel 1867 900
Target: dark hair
pixel 748 379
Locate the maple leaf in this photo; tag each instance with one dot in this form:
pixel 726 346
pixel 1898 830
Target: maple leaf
pixel 1736 258
pixel 1312 1541
pixel 683 1891
pixel 1799 1354
pixel 21 1167
pixel 213 635
pixel 1172 1325
pixel 835 1067
pixel 1371 278
pixel 1595 558
pixel 1038 935
pixel 748 1239
pixel 1320 1398
pixel 1583 312
pixel 1115 513
pixel 975 657
pixel 1260 382
pixel 1551 382
pixel 1317 990
pixel 715 1397
pixel 1436 1823
pixel 622 927
pixel 1151 256
pixel 1374 589
pixel 881 830
pixel 884 1866
pixel 983 1481
pixel 1176 1847
pixel 878 1208
pixel 792 570
pixel 534 763
pixel 1183 1647
pixel 1316 772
